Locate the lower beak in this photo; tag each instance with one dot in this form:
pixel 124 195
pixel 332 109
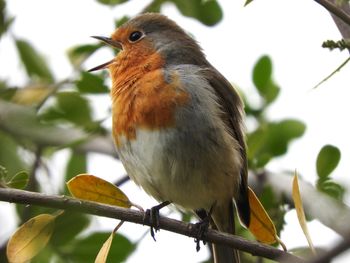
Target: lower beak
pixel 104 65
pixel 111 42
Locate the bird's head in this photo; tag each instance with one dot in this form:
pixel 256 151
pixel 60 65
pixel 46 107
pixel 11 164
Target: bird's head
pixel 149 33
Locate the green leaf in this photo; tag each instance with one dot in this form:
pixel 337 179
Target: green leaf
pixel 119 22
pixel 331 188
pixel 262 78
pixel 272 203
pixel 9 154
pixel 77 164
pixel 6 92
pixel 207 12
pixel 112 2
pixel 5 21
pixel 91 83
pixel 78 54
pixel 19 180
pixel 67 227
pixel 247 2
pixel 71 107
pixel 33 62
pixel 272 139
pixel 154 6
pixel 327 160
pixel 88 248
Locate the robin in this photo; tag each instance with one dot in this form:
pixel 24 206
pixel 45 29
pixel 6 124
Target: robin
pixel 178 123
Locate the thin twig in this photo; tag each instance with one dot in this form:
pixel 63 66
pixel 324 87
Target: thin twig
pixel 335 71
pixel 335 10
pixel 188 229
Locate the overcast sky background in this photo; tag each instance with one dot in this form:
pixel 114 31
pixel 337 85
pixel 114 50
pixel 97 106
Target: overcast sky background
pixel 291 32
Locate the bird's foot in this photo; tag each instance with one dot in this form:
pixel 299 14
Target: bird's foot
pixel 152 217
pixel 202 228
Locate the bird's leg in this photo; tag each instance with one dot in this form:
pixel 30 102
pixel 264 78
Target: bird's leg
pixel 152 216
pixel 202 225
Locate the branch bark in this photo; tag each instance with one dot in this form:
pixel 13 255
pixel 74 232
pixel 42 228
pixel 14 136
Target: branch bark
pixel 22 122
pixel 335 10
pixel 67 203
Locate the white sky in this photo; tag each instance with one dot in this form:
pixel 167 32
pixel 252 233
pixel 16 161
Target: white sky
pixel 291 32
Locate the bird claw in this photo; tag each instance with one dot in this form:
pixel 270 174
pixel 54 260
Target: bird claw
pixel 202 228
pixel 151 217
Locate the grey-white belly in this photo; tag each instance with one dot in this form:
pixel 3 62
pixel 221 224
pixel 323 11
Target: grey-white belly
pixel 190 168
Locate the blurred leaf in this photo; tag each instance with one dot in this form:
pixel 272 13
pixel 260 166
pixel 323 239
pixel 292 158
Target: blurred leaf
pixel 9 154
pixel 87 248
pixel 111 2
pixel 327 160
pixel 331 188
pixel 19 180
pixel 274 205
pixel 6 92
pixel 92 188
pixel 30 238
pixel 31 95
pixel 261 225
pixel 77 164
pixel 154 6
pixel 3 176
pixel 298 203
pixel 91 83
pixel 272 139
pixel 46 255
pixel 5 21
pixel 69 106
pixel 247 2
pixel 262 78
pixel 67 227
pixel 208 12
pixel 33 62
pixel 3 172
pixel 121 21
pixel 78 54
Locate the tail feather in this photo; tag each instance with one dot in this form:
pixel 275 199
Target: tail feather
pixel 223 217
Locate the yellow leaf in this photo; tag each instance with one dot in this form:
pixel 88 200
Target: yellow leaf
pixel 261 225
pixel 92 188
pixel 30 238
pixel 32 95
pixel 103 253
pixel 298 203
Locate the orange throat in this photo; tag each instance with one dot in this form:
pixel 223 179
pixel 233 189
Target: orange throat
pixel 141 96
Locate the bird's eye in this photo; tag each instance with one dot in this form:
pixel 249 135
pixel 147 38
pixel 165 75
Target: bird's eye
pixel 134 36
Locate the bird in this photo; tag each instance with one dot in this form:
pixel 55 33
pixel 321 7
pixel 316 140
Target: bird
pixel 178 123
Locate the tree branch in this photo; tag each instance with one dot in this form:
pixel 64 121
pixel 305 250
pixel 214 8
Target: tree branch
pixel 335 10
pixel 22 122
pixel 332 253
pixel 67 203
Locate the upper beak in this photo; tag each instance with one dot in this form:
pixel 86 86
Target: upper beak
pixel 111 42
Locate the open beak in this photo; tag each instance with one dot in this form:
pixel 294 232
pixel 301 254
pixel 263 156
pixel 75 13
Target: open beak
pixel 112 43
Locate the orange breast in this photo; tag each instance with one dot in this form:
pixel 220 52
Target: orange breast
pixel 142 98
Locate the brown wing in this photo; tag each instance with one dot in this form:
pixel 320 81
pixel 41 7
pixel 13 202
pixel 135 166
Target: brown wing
pixel 233 117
